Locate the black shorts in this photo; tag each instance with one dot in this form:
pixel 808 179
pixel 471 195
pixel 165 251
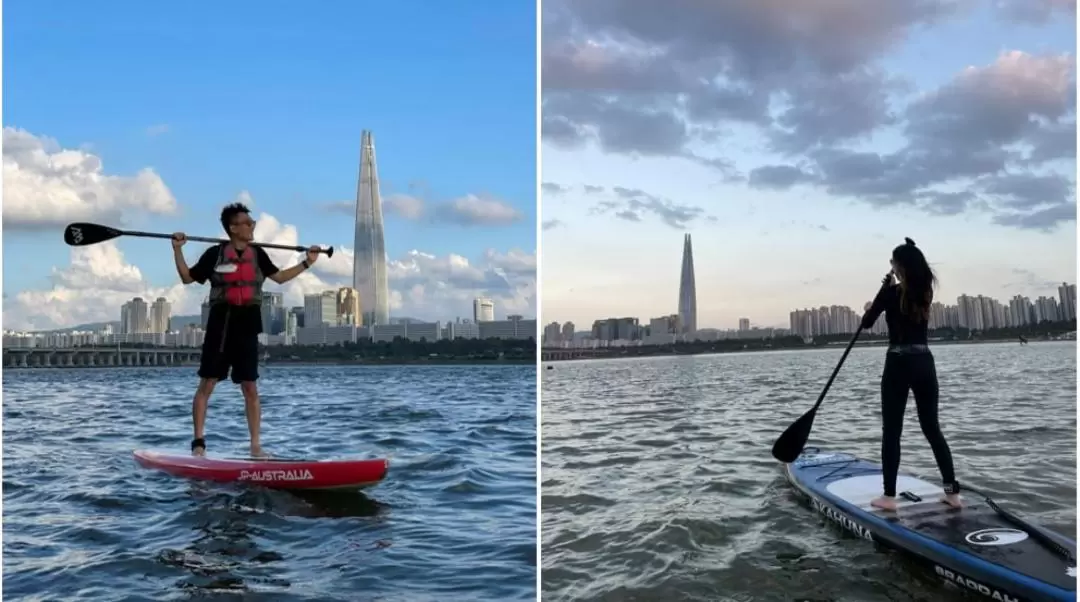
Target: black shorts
pixel 240 352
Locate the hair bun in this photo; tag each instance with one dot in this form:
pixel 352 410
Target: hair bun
pixel 909 241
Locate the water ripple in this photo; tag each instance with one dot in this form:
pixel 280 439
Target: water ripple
pixel 455 518
pixel 658 483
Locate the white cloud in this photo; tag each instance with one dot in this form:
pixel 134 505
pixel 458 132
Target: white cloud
pixel 468 210
pixel 47 186
pixel 245 198
pixel 473 210
pixel 407 206
pixel 100 279
pixel 91 289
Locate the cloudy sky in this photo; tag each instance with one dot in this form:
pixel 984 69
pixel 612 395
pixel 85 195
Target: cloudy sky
pixel 798 143
pixel 151 118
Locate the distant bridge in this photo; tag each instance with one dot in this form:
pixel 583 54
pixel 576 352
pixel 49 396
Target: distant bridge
pixel 73 357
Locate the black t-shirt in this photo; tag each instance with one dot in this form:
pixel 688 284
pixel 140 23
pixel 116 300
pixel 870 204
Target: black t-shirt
pixel 244 319
pixel 903 329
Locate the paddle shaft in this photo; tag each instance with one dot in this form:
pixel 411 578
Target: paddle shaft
pixel 791 442
pixel 836 370
pixel 858 331
pixel 266 245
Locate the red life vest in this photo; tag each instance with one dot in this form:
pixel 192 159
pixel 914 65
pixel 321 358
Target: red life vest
pixel 242 286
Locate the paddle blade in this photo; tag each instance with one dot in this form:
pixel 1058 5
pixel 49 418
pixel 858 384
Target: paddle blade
pixel 81 234
pixel 330 252
pixel 791 443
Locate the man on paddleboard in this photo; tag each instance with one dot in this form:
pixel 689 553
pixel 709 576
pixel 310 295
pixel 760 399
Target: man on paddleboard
pixel 236 271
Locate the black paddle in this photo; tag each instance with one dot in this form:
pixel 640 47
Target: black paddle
pixel 791 443
pixel 81 234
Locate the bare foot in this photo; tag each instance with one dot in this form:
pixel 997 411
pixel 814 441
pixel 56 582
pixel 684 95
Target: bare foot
pixel 258 453
pixel 198 450
pixel 953 499
pixel 884 502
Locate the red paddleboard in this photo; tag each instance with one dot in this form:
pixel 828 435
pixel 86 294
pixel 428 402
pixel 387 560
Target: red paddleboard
pixel 272 473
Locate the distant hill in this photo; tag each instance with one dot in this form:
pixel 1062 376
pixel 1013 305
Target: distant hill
pixel 178 323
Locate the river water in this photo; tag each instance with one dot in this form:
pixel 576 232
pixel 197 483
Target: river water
pixel 455 518
pixel 658 483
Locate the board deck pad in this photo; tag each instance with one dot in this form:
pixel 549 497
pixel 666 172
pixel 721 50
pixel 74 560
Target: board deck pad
pixel 974 547
pixel 274 473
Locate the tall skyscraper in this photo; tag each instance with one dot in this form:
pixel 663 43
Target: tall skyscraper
pixel 369 265
pixel 687 292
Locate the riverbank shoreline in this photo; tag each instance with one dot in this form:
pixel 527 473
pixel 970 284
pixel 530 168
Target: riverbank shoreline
pixel 603 353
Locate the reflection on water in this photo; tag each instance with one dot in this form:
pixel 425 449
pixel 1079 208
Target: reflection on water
pixel 225 539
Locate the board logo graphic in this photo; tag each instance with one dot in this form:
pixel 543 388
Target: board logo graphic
pixel 995 537
pixel 276 475
pixel 842 520
pixel 965 581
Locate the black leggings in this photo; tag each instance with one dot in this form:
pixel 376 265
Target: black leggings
pixel 915 372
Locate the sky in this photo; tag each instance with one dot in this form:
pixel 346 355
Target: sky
pixel 798 143
pixel 150 116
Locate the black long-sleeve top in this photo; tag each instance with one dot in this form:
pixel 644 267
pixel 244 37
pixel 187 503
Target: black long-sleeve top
pixel 903 329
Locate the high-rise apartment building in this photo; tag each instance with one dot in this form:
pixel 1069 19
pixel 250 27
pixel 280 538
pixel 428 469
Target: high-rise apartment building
pixel 160 313
pixel 552 333
pixel 1067 301
pixel 135 317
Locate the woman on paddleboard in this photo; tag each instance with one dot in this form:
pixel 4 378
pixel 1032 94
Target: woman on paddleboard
pixel 909 366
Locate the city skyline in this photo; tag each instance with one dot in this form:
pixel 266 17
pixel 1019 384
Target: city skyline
pixel 800 156
pixel 457 226
pixel 744 323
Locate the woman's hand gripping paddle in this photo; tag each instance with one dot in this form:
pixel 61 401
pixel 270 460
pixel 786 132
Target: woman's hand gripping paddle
pixel 791 443
pixel 82 234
